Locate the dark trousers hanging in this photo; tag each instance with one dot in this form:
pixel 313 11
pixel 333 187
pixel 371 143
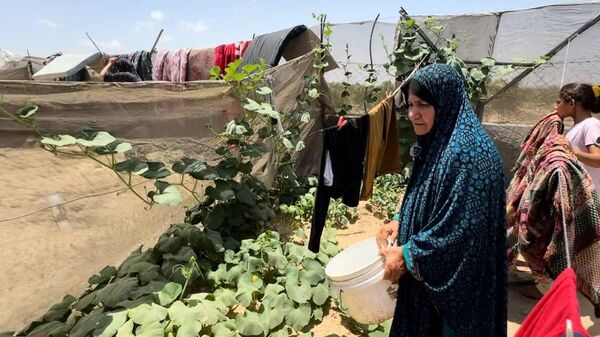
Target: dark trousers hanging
pixel 346 148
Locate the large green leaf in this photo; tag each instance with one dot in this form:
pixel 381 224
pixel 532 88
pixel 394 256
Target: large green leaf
pixel 27 111
pixel 156 170
pixel 150 288
pixel 283 332
pixel 104 276
pixel 248 284
pixel 264 91
pixel 59 311
pixel 477 75
pixel 126 330
pixel 488 62
pixel 216 217
pixel 250 324
pixel 146 313
pixel 276 259
pixel 181 314
pixel 221 191
pixel 60 140
pixel 113 321
pixel 317 314
pixel 252 105
pixel 150 329
pixel 298 293
pixel 145 299
pixel 226 296
pixel 254 150
pixel 246 196
pixel 296 253
pixel 87 324
pixel 224 329
pixel 114 147
pixel 298 319
pixel 320 294
pixel 50 329
pixel 133 165
pixel 102 138
pixel 273 318
pixel 146 271
pixel 271 291
pixel 313 276
pixel 190 329
pixel 169 293
pixel 116 292
pixel 167 194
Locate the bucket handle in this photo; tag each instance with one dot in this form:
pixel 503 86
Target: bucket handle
pixel 341 304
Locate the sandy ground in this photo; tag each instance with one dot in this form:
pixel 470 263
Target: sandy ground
pixel 52 253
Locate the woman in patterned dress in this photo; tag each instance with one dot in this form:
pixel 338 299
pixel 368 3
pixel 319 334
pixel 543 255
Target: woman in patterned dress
pixel 447 245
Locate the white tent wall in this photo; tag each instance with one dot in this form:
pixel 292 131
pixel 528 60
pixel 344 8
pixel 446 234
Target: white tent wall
pixel 357 35
pixel 531 33
pixel 476 33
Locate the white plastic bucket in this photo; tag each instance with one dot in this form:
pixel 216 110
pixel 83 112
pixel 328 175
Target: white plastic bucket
pixel 357 273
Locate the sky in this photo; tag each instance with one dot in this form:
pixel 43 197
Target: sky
pixel 121 26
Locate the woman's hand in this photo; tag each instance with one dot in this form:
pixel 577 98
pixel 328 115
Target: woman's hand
pixel 390 231
pixel 395 266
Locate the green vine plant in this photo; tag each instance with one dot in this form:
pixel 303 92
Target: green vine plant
pixel 346 107
pixel 412 51
pixel 266 288
pixel 300 213
pixel 387 193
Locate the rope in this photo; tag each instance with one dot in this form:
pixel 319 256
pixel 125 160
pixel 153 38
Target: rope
pixel 70 201
pixel 564 220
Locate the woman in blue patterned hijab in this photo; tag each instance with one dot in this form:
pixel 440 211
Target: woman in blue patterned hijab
pixel 449 239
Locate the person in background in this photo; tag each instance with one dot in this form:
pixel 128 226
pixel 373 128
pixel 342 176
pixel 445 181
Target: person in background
pixel 119 70
pixel 446 248
pixel 578 101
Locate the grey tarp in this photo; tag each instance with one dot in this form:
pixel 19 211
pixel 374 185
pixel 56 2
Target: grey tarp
pixel 270 47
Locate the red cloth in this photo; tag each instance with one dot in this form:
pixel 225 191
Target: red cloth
pixel 227 53
pixel 549 317
pixel 243 46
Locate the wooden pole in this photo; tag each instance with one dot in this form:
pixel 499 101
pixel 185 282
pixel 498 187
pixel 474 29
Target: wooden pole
pixel 156 41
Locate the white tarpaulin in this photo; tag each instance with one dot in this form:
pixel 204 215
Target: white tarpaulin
pixel 65 65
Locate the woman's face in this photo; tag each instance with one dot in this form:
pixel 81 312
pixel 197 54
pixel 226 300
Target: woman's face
pixel 421 114
pixel 564 109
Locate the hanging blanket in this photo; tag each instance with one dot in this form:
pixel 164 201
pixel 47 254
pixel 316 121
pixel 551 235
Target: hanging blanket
pixel 171 65
pixel 545 170
pixel 200 61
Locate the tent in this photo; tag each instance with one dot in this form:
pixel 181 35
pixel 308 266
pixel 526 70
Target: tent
pixel 15 67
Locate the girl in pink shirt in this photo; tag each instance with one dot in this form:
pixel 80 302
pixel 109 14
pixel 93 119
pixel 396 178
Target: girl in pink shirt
pixel 578 101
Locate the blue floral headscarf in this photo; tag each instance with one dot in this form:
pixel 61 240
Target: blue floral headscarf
pixel 452 220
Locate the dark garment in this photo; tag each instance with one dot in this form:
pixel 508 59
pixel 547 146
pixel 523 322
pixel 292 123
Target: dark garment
pixel 124 72
pixel 121 77
pixel 139 63
pixel 346 148
pixel 270 47
pixel 142 64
